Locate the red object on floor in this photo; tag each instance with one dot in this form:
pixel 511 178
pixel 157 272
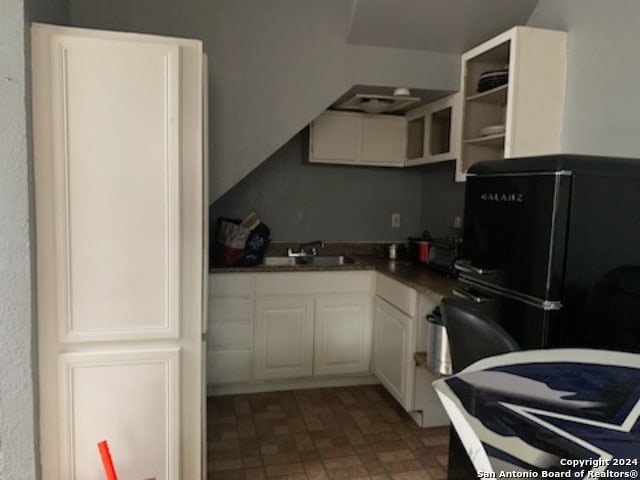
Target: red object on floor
pixel 107 464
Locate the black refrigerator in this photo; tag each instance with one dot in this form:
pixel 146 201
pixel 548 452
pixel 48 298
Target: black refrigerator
pixel 551 250
pixel 551 246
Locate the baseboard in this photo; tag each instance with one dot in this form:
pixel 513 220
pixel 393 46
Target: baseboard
pixel 296 384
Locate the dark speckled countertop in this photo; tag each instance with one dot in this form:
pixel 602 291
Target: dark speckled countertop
pixel 414 275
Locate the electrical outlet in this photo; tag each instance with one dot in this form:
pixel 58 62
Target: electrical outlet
pixel 395 220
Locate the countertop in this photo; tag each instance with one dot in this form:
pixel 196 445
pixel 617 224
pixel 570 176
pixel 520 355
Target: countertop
pixel 416 276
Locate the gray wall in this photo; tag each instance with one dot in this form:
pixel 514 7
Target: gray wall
pixel 442 198
pixel 603 73
pixel 18 347
pixel 600 118
pixel 303 202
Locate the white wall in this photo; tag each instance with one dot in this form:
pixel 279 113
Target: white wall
pixel 603 73
pixel 17 350
pixel 367 65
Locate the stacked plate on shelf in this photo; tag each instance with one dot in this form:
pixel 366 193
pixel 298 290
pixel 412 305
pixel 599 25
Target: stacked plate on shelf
pixel 492 130
pixel 492 79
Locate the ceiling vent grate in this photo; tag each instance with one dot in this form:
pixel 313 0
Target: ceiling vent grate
pixel 372 103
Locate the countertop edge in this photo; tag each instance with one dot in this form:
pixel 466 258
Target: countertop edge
pixel 418 277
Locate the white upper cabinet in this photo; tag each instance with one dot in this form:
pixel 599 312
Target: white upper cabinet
pixel 383 140
pixel 335 138
pixel 358 139
pixel 524 115
pixel 119 185
pixel 432 131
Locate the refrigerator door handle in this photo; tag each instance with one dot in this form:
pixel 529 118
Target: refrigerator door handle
pixel 465 266
pixel 474 297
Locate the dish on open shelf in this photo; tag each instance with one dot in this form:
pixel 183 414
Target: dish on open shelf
pixel 492 79
pixel 492 130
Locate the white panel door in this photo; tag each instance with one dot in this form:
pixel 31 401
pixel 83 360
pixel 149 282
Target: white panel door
pixel 284 337
pixel 342 342
pixel 384 140
pixel 119 224
pixel 149 383
pixel 391 349
pixel 335 138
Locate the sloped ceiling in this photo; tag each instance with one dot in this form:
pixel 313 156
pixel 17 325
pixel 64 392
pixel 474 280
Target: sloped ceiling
pixel 276 65
pixel 450 26
pixel 348 46
pixel 442 26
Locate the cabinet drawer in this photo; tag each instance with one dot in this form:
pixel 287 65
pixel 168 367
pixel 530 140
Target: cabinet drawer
pixel 397 294
pixel 231 285
pixel 304 283
pixel 230 335
pixel 228 366
pixel 230 310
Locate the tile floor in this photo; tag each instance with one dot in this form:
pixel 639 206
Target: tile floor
pixel 329 433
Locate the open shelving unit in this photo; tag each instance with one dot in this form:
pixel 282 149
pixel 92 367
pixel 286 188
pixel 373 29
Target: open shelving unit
pixel 530 105
pixel 432 131
pixel 484 109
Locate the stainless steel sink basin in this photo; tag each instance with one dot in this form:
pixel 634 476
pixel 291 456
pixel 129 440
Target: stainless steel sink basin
pixel 278 261
pixel 325 260
pixel 319 260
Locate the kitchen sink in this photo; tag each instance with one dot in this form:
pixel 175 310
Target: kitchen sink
pixel 319 260
pixel 278 261
pixel 326 260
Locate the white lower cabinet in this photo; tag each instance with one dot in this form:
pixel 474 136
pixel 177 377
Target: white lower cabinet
pixel 230 328
pixel 284 330
pixel 288 326
pixel 342 334
pixel 284 337
pixel 393 351
pixel 399 331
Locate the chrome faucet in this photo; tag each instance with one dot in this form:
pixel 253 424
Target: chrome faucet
pixel 309 249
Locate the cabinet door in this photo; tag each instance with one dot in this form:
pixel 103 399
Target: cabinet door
pixel 231 326
pixel 433 131
pixel 119 223
pixel 284 337
pixel 443 135
pixel 392 352
pixel 229 340
pixel 383 140
pixel 335 138
pixel 342 334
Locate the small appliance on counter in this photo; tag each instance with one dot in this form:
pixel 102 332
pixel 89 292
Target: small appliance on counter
pixel 438 354
pixel 418 249
pixel 437 253
pixel 391 251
